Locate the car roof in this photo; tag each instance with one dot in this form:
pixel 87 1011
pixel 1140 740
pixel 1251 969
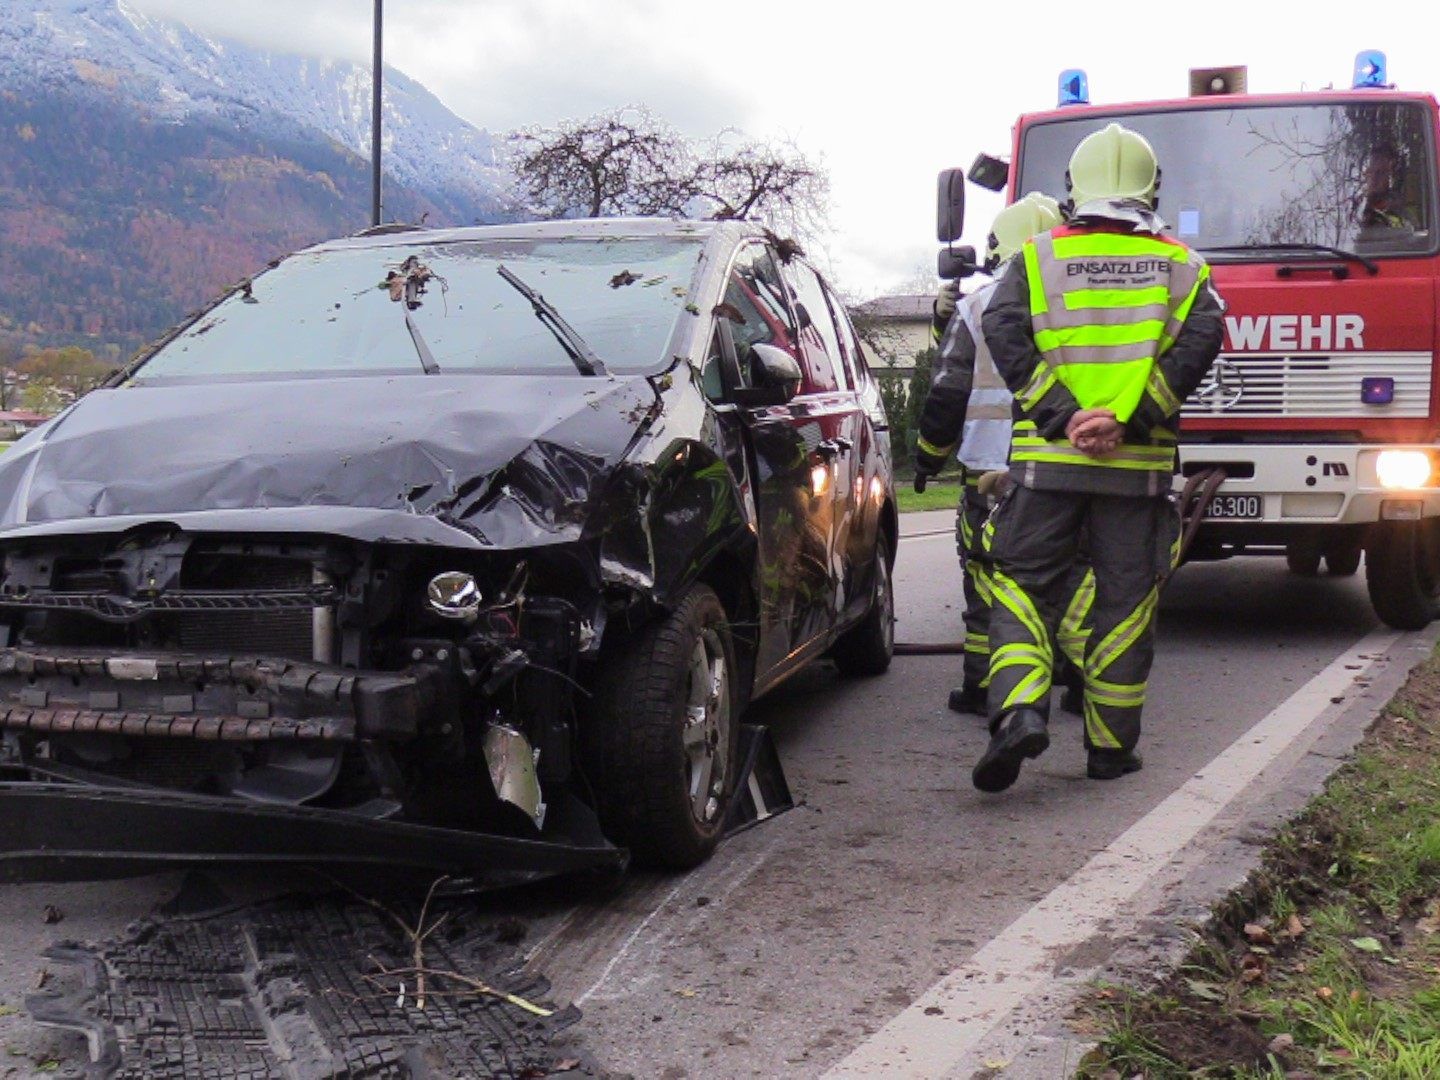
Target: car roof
pixel 615 228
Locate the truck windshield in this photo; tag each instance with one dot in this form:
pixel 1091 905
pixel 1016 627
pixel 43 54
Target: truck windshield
pixel 1354 176
pixel 346 310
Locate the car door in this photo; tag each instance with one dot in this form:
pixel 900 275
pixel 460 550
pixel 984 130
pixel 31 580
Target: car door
pixel 830 404
pixel 791 476
pixel 859 530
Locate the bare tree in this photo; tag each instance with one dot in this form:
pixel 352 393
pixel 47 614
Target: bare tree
pixel 772 182
pixel 627 161
pixel 620 162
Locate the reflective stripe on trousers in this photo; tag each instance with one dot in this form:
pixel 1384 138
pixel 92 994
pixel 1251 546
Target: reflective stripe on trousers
pixel 1074 624
pixel 1035 546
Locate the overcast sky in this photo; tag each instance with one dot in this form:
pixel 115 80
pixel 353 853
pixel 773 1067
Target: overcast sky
pixel 884 99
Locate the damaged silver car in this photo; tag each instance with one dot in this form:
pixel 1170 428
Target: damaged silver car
pixel 447 547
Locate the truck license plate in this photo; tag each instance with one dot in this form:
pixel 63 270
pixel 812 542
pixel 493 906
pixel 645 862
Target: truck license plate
pixel 1235 508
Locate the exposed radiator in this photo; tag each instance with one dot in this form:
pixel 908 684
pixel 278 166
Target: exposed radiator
pixel 284 633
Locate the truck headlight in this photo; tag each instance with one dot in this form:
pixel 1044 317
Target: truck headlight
pixel 1403 468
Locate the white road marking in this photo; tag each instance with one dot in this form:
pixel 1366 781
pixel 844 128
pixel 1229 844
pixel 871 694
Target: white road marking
pixel 933 1035
pixel 930 535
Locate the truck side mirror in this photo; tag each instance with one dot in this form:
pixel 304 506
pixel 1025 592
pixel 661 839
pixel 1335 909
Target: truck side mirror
pixel 777 378
pixel 956 262
pixel 990 173
pixel 950 207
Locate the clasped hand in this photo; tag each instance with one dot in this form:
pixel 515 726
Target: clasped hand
pixel 1094 432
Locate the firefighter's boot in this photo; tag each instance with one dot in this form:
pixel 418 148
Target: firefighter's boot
pixel 1021 734
pixel 969 698
pixel 1111 764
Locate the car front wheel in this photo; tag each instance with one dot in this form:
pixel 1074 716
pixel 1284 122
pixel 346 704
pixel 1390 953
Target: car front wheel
pixel 660 743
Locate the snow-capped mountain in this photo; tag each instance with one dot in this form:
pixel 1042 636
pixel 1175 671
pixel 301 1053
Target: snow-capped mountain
pixel 144 167
pixel 109 49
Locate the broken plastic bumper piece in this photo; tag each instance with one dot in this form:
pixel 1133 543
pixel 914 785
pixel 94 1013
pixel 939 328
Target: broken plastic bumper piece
pixel 60 832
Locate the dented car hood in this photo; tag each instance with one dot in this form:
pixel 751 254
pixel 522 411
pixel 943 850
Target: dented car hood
pixel 488 460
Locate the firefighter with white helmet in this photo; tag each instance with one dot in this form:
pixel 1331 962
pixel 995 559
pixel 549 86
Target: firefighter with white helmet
pixel 968 406
pixel 1101 329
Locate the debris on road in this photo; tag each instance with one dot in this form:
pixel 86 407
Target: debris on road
pixel 332 985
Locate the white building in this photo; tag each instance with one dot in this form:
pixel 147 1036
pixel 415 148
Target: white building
pixel 895 329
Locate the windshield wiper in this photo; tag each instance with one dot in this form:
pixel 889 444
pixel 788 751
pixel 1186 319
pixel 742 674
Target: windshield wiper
pixel 581 353
pixel 1321 249
pixel 427 358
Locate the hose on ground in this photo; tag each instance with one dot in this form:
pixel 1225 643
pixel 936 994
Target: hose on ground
pixel 1195 499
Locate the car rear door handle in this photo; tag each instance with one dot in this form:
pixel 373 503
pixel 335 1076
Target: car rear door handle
pixel 832 447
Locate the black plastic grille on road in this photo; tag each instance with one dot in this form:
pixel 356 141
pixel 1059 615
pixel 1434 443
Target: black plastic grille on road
pixel 280 990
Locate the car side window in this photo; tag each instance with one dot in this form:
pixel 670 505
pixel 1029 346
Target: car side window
pixel 712 378
pixel 755 306
pixel 820 346
pixel 850 352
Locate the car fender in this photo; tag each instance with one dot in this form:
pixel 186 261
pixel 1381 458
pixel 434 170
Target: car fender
pixel 666 521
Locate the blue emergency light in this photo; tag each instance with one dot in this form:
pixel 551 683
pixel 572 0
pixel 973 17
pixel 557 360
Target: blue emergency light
pixel 1075 87
pixel 1377 390
pixel 1370 72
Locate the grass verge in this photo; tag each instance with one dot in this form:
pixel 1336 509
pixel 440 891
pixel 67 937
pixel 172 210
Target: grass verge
pixel 1327 962
pixel 938 495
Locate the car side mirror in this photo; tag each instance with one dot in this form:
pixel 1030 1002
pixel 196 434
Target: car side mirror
pixel 956 262
pixel 990 173
pixel 777 378
pixel 950 206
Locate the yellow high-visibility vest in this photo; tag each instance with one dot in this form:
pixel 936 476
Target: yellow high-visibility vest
pixel 1104 307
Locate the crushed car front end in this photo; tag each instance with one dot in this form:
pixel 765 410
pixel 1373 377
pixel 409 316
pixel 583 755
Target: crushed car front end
pixel 345 616
pixel 394 682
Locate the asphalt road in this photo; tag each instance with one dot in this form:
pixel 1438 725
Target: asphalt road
pixel 804 936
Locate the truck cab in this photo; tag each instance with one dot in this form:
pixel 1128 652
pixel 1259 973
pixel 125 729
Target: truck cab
pixel 1318 214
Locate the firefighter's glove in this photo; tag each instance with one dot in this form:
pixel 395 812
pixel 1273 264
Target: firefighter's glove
pixel 993 484
pixel 945 300
pixel 926 466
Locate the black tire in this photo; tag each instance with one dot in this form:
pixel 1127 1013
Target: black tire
pixel 1401 561
pixel 866 648
pixel 1343 561
pixel 1303 559
pixel 640 744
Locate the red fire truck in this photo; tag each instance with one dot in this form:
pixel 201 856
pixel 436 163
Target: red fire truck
pixel 1318 213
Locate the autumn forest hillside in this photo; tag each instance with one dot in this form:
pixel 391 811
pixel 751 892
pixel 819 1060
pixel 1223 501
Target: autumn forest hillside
pixel 114 224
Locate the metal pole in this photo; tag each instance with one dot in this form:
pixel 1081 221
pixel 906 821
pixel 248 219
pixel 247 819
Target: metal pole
pixel 376 85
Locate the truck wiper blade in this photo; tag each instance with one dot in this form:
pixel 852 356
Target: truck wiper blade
pixel 1321 249
pixel 585 359
pixel 427 358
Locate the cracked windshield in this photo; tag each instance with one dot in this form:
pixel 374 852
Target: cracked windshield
pixel 344 311
pixel 1347 176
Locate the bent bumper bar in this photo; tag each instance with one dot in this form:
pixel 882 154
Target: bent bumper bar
pixel 67 832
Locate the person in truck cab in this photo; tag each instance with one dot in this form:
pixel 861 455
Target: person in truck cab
pixel 969 407
pixel 1101 329
pixel 1381 204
